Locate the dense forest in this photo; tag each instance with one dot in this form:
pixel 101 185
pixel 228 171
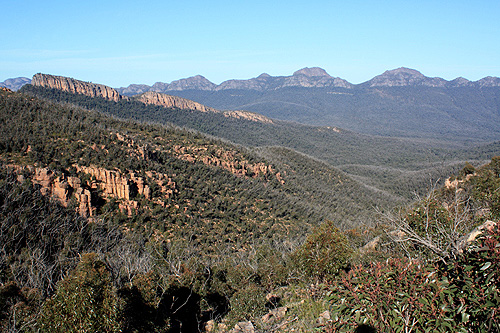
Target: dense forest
pixel 209 235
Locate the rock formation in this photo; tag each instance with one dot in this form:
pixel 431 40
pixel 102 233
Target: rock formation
pixel 111 183
pixel 76 86
pixel 115 185
pixel 248 116
pixel 226 160
pixel 152 97
pixel 168 101
pixel 62 188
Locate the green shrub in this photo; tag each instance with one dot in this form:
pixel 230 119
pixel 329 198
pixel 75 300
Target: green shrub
pixel 325 252
pixel 402 296
pixel 395 296
pixel 84 301
pixel 247 303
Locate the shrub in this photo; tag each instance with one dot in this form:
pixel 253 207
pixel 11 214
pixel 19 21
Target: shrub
pixel 84 301
pixel 324 253
pixel 247 303
pixel 402 296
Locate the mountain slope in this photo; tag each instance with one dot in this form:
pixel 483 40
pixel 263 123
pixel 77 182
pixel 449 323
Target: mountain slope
pixel 173 180
pixel 401 159
pixel 401 102
pixel 460 114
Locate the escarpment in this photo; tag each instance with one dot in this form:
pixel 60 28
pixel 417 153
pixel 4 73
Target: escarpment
pixel 149 98
pixel 155 98
pixel 76 86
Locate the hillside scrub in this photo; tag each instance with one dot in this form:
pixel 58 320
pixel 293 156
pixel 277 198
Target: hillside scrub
pixel 338 149
pixel 226 247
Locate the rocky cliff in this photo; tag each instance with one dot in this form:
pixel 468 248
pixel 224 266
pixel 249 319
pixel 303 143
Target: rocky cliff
pixel 76 86
pixel 169 101
pixel 100 184
pixel 152 97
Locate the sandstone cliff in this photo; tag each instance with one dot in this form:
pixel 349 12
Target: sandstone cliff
pixel 152 97
pixel 240 114
pixel 226 159
pixel 76 86
pixel 168 101
pixel 149 97
pixel 104 184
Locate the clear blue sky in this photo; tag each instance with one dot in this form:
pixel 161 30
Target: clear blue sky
pixel 122 42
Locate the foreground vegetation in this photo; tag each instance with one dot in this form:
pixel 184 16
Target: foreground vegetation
pixel 228 247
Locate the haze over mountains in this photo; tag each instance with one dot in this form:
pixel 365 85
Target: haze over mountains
pixel 15 83
pixel 310 77
pixel 398 103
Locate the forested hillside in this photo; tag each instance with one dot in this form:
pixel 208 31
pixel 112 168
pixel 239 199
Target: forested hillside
pixel 377 160
pixel 448 114
pixel 190 177
pixel 116 225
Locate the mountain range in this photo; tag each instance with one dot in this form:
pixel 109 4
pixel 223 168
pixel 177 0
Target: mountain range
pixel 314 77
pixel 307 77
pixel 398 103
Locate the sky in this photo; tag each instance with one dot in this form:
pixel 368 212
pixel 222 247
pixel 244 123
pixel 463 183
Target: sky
pixel 118 43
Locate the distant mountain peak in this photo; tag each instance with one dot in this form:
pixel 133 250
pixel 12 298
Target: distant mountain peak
pixel 311 72
pixel 404 76
pixel 403 71
pixel 263 76
pixel 15 83
pixel 197 82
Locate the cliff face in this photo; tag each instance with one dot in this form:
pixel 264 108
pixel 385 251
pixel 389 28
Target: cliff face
pixel 155 98
pixel 104 184
pixel 76 86
pixel 152 97
pixel 63 189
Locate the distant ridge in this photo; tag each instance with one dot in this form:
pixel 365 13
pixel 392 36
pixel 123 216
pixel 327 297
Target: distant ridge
pixel 15 83
pixel 310 77
pixel 76 86
pixel 150 97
